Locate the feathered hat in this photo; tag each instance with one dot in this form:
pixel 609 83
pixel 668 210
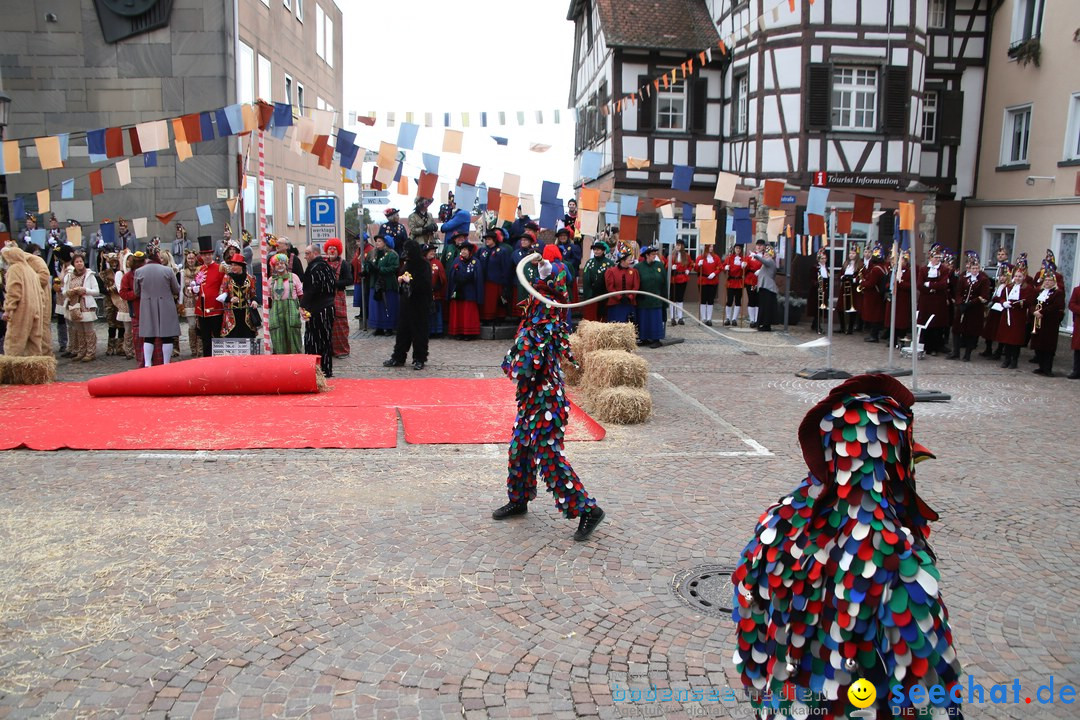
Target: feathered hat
pixel 1021 262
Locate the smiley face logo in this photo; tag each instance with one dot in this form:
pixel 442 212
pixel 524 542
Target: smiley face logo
pixel 862 693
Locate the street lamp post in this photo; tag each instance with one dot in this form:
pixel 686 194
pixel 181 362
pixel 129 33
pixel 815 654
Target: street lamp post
pixel 5 108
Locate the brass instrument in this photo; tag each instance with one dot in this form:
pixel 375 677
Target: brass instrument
pixel 851 286
pixel 1038 315
pixel 822 316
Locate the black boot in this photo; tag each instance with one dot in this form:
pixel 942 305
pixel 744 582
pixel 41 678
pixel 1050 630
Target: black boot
pixel 1006 359
pixel 1015 358
pixel 955 354
pixel 967 354
pixel 997 353
pixel 510 509
pixel 588 523
pixel 989 351
pixel 393 363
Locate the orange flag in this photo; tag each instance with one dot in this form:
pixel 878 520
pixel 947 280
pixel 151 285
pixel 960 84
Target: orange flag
pixel 165 218
pixel 774 191
pixel 843 221
pixel 907 216
pixel 97 187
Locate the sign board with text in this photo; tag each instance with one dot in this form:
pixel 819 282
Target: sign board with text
pixel 322 218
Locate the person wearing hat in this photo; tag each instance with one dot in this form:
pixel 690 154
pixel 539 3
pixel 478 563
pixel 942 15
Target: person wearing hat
pixel 1074 308
pixel 1047 314
pixel 283 319
pixel 523 250
pixel 874 286
pixel 933 287
pixel 495 262
pixel 237 298
pixel 850 298
pixel 1015 308
pixel 110 295
pixel 994 309
pixel 618 279
pixel 158 291
pixel 571 254
pixel 458 223
pixel 334 253
pixel 681 265
pixel 592 281
pixel 650 310
pixel 970 296
pixel 735 267
pixel 124 237
pixel 543 408
pixel 209 312
pixel 466 285
pixel 80 290
pixel 708 267
pixel 179 246
pixel 902 298
pixel 381 269
pixel 1049 265
pixel 317 309
pixel 188 273
pixel 393 228
pixel 422 226
pixel 838 582
pixel 447 209
pixel 438 290
pixel 765 256
pixel 413 319
pixel 29 227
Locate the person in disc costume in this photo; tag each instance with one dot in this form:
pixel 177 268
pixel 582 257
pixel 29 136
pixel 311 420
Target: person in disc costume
pixel 839 582
pixel 536 447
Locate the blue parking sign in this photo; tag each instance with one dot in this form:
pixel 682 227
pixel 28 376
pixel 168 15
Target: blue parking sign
pixel 322 210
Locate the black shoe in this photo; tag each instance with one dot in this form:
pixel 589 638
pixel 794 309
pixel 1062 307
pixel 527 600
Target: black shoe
pixel 588 523
pixel 510 509
pixel 640 343
pixel 378 332
pixel 681 321
pixel 767 328
pixel 1040 371
pixel 1005 362
pixel 1074 375
pixel 954 355
pixel 418 365
pixel 727 323
pixel 753 325
pixel 393 363
pixel 674 322
pixel 870 339
pixel 709 323
pixel 1033 361
pixel 986 353
pixel 656 344
pixel 967 356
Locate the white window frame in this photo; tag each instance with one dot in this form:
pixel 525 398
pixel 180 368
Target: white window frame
pixel 1016 34
pixel 1073 277
pixel 290 204
pixel 288 5
pixel 301 196
pixel 853 99
pixel 251 204
pixel 300 98
pixel 265 80
pixel 300 10
pixel 937 14
pixel 991 241
pixel 1009 131
pixel 320 104
pixel 742 104
pixel 929 120
pixel 320 38
pixel 1072 129
pixel 245 62
pixel 268 189
pixel 266 3
pixel 675 93
pixel 289 85
pixel 329 41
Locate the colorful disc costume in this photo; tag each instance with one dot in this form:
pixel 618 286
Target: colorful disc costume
pixel 839 582
pixel 536 448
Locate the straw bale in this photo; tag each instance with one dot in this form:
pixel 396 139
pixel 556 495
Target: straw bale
pixel 35 370
pixel 615 368
pixel 620 405
pixel 606 336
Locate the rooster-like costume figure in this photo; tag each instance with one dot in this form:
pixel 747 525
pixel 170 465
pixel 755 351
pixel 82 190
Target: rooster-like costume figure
pixel 839 582
pixel 536 448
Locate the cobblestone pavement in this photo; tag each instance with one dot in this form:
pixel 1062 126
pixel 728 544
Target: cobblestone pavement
pixel 340 584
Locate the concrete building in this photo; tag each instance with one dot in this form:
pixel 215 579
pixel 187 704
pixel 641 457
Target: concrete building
pixel 64 77
pixel 1027 193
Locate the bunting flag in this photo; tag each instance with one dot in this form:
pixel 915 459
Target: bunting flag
pixel 97 187
pixel 165 218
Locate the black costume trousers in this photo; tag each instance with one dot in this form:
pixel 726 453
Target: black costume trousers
pixel 209 328
pixel 318 338
pixel 414 323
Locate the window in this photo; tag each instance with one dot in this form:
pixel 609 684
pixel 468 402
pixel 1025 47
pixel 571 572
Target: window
pixel 269 204
pixel 739 119
pixel 265 78
pixel 1027 20
pixel 1015 135
pixel 601 119
pixel 301 197
pixel 320 21
pixel 320 104
pixel 1065 251
pixel 671 107
pixel 290 204
pixel 300 98
pixel 929 117
pixel 288 4
pixel 251 205
pixel 266 3
pixel 994 238
pixel 245 76
pixel 288 90
pixel 1072 129
pixel 300 10
pixel 936 15
pixel 329 42
pixel 855 98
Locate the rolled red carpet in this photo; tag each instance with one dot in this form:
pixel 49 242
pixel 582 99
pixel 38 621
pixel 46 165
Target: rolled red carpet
pixel 230 375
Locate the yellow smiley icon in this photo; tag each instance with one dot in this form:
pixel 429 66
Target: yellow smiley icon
pixel 862 693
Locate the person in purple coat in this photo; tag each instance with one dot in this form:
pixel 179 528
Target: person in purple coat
pixel 497 266
pixel 465 285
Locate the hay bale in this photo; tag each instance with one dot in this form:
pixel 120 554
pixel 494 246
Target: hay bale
pixel 571 372
pixel 607 336
pixel 615 368
pixel 620 405
pixel 35 370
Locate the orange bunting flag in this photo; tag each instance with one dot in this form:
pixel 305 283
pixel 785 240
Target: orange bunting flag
pixel 791 5
pixel 403 186
pixel 817 224
pixel 723 48
pixel 701 57
pixel 690 65
pixel 907 216
pixel 231 202
pixel 96 185
pixel 774 191
pixel 165 218
pixel 843 221
pixel 665 81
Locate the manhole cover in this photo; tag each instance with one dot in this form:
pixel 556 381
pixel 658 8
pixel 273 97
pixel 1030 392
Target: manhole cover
pixel 706 589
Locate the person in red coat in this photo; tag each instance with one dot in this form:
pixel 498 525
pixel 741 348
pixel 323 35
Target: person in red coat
pixel 209 311
pixel 708 267
pixel 750 281
pixel 1074 308
pixel 902 297
pixel 933 287
pixel 735 267
pixel 970 296
pixel 438 289
pixel 873 292
pixel 1048 313
pixel 617 279
pixel 1049 265
pixel 993 311
pixel 681 264
pixel 1012 327
pixel 850 299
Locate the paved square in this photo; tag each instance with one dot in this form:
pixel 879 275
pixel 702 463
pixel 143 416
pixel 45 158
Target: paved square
pixel 340 584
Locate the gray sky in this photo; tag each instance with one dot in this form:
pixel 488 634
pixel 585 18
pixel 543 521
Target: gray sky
pixel 480 55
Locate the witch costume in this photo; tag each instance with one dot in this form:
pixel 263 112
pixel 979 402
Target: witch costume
pixel 839 582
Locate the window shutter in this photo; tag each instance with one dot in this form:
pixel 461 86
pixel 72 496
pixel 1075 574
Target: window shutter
pixel 818 97
pixel 645 114
pixel 950 116
pixel 699 105
pixel 601 119
pixel 590 121
pixel 897 100
pixel 579 131
pixel 885 229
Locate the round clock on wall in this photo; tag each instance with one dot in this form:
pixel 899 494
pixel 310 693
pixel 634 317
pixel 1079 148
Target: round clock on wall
pixel 130 8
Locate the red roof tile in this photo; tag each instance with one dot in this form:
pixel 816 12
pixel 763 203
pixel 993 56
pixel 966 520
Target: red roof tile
pixel 656 24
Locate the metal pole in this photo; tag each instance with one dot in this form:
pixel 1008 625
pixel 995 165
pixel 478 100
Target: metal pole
pixel 916 333
pixel 829 303
pixel 788 250
pixel 892 309
pixel 263 247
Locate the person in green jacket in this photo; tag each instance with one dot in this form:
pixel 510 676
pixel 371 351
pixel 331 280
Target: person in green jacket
pixel 381 269
pixel 650 310
pixel 592 281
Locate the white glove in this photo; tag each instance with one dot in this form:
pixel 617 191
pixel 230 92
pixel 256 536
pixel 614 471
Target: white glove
pixel 222 297
pixel 712 275
pixel 101 242
pixel 544 269
pixel 926 284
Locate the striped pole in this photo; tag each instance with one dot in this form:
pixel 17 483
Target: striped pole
pixel 263 247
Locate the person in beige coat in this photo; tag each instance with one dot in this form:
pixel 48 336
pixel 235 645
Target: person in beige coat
pixel 38 265
pixel 23 306
pixel 80 290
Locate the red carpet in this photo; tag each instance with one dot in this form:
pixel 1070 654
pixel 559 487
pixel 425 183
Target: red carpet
pixel 354 414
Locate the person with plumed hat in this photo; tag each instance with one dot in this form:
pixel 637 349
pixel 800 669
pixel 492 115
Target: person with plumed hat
pixel 618 279
pixel 681 265
pixel 970 296
pixel 650 310
pixel 1015 308
pixel 334 253
pixel 525 247
pixel 496 264
pixel 901 296
pixel 1003 275
pixel 207 287
pixel 438 290
pixel 422 225
pixel 571 254
pixel 317 309
pixel 393 228
pixel 933 287
pixel 592 281
pixel 415 308
pixel 381 270
pixel 1074 308
pixel 237 298
pixel 1048 312
pixel 873 287
pixel 466 285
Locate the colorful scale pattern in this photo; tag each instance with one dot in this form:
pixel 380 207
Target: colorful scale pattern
pixel 536 447
pixel 839 582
